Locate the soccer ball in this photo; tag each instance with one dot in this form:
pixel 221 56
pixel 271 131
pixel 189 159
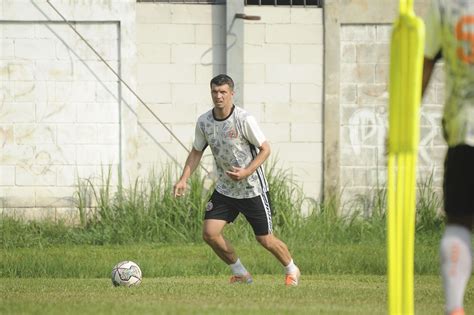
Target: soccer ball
pixel 127 274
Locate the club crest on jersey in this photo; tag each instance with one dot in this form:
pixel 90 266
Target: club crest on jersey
pixel 209 206
pixel 232 134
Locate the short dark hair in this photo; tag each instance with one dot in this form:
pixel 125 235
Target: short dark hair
pixel 222 79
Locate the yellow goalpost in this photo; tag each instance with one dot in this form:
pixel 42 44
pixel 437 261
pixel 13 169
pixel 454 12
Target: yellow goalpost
pixel 406 66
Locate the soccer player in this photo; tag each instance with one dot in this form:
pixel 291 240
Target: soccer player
pixel 239 149
pixel 450 34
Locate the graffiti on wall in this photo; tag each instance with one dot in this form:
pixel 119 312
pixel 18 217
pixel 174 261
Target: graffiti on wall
pixel 368 127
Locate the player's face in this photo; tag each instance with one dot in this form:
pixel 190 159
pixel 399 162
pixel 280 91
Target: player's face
pixel 222 96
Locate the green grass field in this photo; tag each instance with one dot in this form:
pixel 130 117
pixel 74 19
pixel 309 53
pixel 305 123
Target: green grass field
pixel 325 294
pixel 58 268
pixel 87 261
pixel 189 279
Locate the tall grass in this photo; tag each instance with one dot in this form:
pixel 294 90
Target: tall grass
pixel 146 211
pixel 428 207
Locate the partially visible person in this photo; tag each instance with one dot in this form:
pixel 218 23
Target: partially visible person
pixel 239 148
pixel 450 35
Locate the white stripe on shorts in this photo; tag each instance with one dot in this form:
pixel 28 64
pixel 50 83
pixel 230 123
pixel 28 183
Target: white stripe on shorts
pixel 268 211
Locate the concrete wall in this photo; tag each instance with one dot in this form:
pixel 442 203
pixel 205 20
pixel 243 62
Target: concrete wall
pixel 283 74
pixel 364 112
pixel 181 47
pixel 63 114
pixel 356 100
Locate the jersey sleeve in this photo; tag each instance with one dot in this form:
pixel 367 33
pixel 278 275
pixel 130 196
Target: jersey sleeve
pixel 433 30
pixel 200 142
pixel 252 131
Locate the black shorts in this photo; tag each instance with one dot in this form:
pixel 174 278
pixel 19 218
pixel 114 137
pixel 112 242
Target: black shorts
pixel 257 211
pixel 458 184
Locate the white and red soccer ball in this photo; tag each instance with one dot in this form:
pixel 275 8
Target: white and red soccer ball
pixel 126 274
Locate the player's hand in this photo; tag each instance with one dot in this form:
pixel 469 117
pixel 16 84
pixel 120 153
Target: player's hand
pixel 179 188
pixel 238 173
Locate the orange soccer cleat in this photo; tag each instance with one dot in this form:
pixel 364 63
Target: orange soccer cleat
pixel 246 279
pixel 293 279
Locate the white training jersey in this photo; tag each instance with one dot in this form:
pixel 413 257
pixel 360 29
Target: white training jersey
pixel 450 30
pixel 234 141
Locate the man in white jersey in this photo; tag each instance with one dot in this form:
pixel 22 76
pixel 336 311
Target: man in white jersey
pixel 239 149
pixel 450 34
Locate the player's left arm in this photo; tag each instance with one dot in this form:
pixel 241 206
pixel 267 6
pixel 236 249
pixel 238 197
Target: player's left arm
pixel 239 173
pixel 253 133
pixel 433 45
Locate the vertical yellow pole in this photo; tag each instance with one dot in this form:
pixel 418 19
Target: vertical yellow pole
pixel 406 66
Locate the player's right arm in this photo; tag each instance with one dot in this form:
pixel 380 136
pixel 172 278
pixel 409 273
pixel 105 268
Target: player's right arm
pixel 194 157
pixel 432 43
pixel 192 162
